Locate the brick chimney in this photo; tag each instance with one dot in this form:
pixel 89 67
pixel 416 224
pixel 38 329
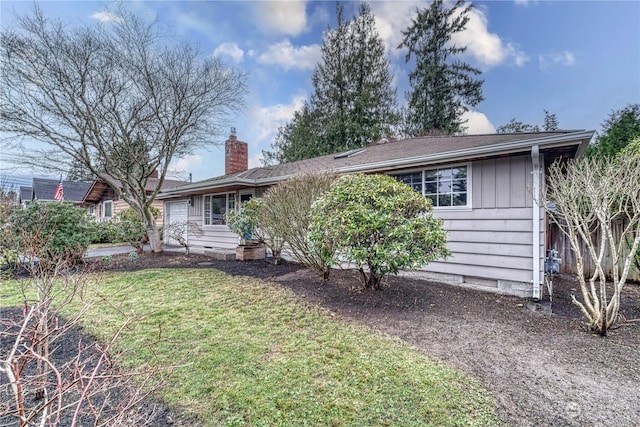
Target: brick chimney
pixel 236 154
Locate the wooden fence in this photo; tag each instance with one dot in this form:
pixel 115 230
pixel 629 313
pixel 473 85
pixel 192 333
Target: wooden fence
pixel 560 242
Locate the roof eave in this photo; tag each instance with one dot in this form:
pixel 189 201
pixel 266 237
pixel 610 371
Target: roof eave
pixel 204 185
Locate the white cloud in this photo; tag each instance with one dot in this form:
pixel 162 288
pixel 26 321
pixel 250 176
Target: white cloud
pixel 186 164
pixel 288 56
pixel 262 123
pixel 265 120
pixel 477 123
pixel 524 3
pixel 255 161
pixel 519 57
pixel 230 50
pixel 282 17
pixel 391 19
pixel 565 58
pixel 105 16
pixel 485 47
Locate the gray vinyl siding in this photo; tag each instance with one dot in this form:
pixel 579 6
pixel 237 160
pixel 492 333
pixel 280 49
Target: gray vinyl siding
pixel 213 236
pixel 494 239
pixel 491 242
pixel 502 183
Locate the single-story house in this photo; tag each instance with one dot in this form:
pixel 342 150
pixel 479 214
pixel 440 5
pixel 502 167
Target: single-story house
pixel 44 190
pixel 103 202
pixel 482 186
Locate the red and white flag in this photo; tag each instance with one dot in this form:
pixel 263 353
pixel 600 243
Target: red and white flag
pixel 59 194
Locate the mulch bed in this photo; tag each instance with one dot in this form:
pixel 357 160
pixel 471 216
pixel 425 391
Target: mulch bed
pixel 542 370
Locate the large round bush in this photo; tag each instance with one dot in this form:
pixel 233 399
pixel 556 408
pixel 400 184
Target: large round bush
pixel 379 224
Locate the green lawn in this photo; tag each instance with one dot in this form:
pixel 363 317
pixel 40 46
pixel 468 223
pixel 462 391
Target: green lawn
pixel 252 353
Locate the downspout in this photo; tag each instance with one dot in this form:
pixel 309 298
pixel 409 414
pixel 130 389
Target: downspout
pixel 535 158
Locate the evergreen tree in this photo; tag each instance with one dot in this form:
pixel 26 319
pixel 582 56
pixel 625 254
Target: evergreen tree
pixel 550 122
pixel 79 172
pixel 442 87
pixel 514 126
pixel 618 130
pixel 354 102
pixel 295 140
pixel 373 113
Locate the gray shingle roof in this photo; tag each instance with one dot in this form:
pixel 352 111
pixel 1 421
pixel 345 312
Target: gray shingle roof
pixel 393 155
pixel 73 191
pixel 25 193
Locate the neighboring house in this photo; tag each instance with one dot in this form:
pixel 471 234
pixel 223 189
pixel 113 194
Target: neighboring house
pixel 104 204
pixel 26 193
pixel 44 190
pixel 482 186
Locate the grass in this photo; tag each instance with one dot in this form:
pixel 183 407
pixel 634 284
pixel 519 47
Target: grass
pixel 252 353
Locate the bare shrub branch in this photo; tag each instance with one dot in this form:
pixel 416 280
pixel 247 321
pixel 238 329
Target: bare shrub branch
pixel 43 379
pixel 591 197
pixel 286 212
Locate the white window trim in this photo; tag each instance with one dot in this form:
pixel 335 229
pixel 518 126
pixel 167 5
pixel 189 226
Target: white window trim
pixel 204 203
pixel 468 206
pixel 104 203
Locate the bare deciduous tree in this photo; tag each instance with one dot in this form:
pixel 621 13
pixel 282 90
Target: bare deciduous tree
pixel 117 98
pixel 589 196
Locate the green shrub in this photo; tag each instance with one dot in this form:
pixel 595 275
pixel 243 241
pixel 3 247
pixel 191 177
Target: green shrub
pixel 379 224
pixel 104 232
pixel 245 221
pixel 51 230
pixel 129 228
pixel 253 222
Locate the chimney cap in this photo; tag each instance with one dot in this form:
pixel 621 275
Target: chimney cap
pixel 233 131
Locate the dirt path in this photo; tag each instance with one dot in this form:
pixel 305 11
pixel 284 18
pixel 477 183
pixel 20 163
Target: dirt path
pixel 542 370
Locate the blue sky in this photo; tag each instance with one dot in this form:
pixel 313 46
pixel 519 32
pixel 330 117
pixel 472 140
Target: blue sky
pixel 577 59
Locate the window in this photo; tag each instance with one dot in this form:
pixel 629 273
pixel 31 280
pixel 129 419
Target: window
pixel 445 187
pixel 107 208
pixel 412 179
pixel 215 207
pixel 245 197
pixel 92 210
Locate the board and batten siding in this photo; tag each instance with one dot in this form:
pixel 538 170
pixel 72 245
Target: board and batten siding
pixel 213 236
pixel 491 244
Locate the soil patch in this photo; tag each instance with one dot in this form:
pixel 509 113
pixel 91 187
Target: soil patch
pixel 542 370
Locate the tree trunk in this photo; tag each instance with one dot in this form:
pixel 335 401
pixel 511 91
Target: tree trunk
pixel 152 231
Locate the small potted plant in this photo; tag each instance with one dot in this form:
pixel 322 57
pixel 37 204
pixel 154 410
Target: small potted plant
pixel 245 224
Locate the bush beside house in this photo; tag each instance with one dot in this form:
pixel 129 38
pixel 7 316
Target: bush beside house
pixel 379 224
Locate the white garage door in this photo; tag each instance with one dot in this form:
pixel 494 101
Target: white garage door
pixel 177 213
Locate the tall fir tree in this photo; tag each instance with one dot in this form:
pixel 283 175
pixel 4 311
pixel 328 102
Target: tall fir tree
pixel 373 114
pixel 79 172
pixel 443 88
pixel 550 121
pixel 354 102
pixel 294 140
